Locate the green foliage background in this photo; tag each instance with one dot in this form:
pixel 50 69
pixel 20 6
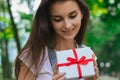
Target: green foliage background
pixel 103 33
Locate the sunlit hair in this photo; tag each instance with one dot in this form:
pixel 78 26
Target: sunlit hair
pixel 42 33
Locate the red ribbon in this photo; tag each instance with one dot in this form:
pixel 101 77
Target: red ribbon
pixel 81 61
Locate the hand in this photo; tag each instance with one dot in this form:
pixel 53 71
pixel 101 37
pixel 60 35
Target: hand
pixel 58 76
pixel 96 72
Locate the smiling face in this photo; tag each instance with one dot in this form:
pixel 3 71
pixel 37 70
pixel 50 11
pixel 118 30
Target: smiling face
pixel 66 19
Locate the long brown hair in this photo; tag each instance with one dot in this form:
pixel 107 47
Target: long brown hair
pixel 42 33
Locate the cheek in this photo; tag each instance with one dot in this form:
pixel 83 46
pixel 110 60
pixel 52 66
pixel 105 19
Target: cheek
pixel 77 22
pixel 56 26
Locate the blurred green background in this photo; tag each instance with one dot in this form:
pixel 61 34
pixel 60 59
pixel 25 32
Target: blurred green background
pixel 103 34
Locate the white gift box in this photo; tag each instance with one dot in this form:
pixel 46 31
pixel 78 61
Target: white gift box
pixel 81 64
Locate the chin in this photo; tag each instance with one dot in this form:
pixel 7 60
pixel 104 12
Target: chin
pixel 69 37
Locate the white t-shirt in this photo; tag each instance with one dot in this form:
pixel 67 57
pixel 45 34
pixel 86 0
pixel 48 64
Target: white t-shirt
pixel 46 72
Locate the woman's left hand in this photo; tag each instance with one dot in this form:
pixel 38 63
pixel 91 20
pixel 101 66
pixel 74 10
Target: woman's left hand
pixel 96 72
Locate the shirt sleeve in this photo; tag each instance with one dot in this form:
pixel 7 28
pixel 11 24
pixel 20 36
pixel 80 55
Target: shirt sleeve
pixel 25 57
pixel 43 73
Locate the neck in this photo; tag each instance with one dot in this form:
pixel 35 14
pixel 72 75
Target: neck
pixel 65 45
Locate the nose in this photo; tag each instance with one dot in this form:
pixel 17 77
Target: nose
pixel 67 24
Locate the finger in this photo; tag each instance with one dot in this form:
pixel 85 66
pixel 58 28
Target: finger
pixel 95 69
pixel 89 78
pixel 62 78
pixel 58 76
pixel 95 63
pixel 55 69
pixel 96 73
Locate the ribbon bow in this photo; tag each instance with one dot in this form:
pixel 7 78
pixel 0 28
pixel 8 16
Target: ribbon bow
pixel 81 61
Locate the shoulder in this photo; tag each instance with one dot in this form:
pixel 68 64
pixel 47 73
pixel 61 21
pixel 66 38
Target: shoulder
pixel 25 54
pixel 26 58
pixel 82 46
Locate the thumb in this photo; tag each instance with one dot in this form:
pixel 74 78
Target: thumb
pixel 55 69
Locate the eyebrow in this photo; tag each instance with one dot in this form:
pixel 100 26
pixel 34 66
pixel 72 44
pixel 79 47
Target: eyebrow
pixel 60 16
pixel 73 12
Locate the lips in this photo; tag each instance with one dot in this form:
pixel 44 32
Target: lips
pixel 68 32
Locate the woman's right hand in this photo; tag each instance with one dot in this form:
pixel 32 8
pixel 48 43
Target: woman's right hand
pixel 58 76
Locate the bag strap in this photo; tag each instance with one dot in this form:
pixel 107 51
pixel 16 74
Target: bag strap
pixel 52 57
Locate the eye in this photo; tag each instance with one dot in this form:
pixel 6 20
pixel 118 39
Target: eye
pixel 72 16
pixel 57 19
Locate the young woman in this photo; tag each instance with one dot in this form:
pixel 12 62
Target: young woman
pixel 57 25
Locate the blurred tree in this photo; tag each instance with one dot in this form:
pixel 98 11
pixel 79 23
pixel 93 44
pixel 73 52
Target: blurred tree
pixel 29 3
pixel 8 30
pixel 27 17
pixel 5 33
pixel 14 26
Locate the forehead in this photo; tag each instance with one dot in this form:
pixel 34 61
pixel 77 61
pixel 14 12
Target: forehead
pixel 64 7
